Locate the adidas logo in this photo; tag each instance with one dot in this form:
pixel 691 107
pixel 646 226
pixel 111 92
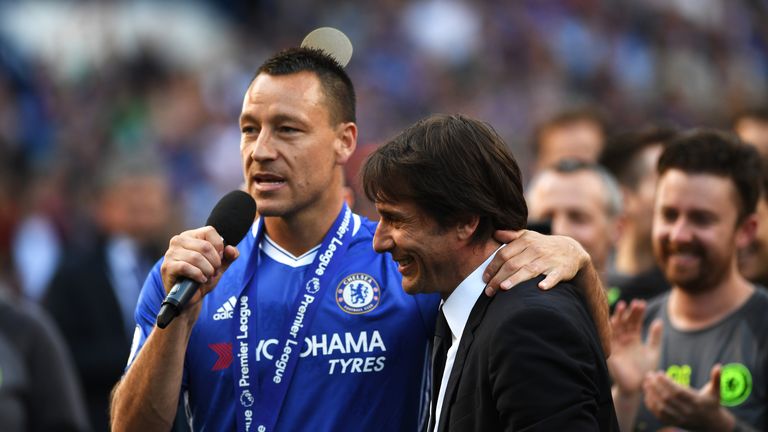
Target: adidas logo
pixel 226 310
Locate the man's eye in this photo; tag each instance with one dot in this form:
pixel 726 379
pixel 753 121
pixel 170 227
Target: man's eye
pixel 248 130
pixel 669 215
pixel 287 129
pixel 391 221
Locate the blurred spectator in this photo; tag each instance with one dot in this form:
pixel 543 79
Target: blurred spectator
pixel 36 246
pixel 76 76
pixel 753 259
pixel 752 128
pixel 707 370
pixel 577 134
pixel 94 292
pixel 632 159
pixel 38 388
pixel 582 201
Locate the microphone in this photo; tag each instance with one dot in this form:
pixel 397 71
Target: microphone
pixel 231 217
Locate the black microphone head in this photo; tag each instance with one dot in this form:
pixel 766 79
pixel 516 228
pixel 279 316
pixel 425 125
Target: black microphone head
pixel 233 216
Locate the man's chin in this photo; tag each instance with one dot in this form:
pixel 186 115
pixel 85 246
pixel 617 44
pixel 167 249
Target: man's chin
pixel 411 290
pixel 691 284
pixel 271 207
pixel 412 287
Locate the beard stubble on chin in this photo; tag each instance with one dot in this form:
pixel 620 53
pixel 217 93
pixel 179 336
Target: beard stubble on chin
pixel 706 276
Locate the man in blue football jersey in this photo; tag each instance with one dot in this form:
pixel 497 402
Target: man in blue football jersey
pixel 307 326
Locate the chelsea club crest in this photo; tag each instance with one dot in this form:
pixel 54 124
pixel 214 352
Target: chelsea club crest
pixel 358 294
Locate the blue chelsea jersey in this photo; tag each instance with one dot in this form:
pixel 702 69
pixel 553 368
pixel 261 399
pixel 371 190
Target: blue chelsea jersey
pixel 363 361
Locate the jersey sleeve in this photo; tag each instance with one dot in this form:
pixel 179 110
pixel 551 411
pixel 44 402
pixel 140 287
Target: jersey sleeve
pixel 147 308
pixel 150 300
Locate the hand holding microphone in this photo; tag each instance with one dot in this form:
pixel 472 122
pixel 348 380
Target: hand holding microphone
pixel 196 259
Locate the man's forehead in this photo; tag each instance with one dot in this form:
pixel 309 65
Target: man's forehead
pixel 707 189
pixel 301 88
pixel 570 190
pixel 679 178
pixel 581 182
pixel 400 207
pixel 382 204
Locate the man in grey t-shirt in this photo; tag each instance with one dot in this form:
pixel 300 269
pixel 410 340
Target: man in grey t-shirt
pixel 707 369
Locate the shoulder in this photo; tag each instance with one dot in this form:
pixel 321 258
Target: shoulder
pixel 553 321
pixel 760 296
pixel 362 229
pixel 528 295
pixel 361 246
pixel 527 306
pixel 754 310
pixel 23 321
pixel 20 311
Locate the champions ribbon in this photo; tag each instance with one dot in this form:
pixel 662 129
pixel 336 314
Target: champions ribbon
pixel 262 408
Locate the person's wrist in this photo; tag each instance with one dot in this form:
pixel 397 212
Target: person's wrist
pixel 190 314
pixel 584 259
pixel 627 393
pixel 723 420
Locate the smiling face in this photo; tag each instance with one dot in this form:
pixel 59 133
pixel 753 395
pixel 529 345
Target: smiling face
pixel 426 254
pixel 695 231
pixel 290 149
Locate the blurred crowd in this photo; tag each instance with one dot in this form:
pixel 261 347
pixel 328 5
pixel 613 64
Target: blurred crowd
pixel 118 127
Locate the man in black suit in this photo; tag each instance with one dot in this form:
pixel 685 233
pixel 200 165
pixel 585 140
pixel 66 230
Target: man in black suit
pixel 94 291
pixel 523 360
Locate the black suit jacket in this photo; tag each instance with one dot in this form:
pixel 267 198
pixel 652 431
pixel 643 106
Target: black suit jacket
pixel 83 304
pixel 529 360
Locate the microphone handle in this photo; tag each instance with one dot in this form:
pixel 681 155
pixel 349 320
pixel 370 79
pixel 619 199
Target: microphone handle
pixel 175 301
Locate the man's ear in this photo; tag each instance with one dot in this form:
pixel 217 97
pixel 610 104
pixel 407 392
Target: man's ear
pixel 346 142
pixel 466 228
pixel 746 231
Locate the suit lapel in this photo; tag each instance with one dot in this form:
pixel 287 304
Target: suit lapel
pixel 475 318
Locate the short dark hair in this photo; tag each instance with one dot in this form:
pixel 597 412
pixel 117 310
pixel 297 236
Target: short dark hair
pixel 620 155
pixel 568 117
pixel 453 167
pixel 719 153
pixel 337 86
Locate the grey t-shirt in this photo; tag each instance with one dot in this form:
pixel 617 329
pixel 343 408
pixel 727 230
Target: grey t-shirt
pixel 739 342
pixel 38 388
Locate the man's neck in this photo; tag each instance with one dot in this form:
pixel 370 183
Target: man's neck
pixel 471 258
pixel 299 232
pixel 633 256
pixel 695 311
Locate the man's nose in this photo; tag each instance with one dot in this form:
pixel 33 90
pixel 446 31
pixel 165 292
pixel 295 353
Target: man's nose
pixel 680 231
pixel 263 147
pixel 561 226
pixel 382 240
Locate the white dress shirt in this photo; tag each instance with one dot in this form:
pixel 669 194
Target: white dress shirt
pixel 457 308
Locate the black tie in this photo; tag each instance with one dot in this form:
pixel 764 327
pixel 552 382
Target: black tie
pixel 439 354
